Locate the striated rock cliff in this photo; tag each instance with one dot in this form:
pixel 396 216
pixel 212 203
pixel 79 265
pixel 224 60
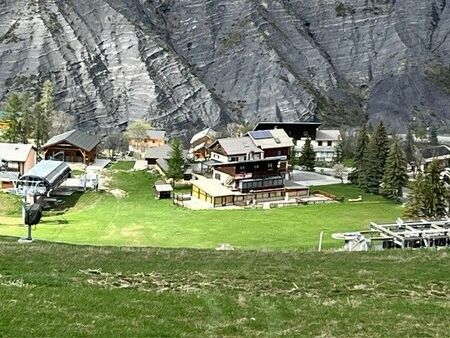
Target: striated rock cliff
pixel 185 64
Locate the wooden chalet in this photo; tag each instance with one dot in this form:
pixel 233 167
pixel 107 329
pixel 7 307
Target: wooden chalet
pixel 72 146
pixel 15 160
pixel 200 142
pixel 248 169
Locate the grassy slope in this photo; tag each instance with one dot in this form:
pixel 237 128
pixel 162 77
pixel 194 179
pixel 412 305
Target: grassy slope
pixel 140 220
pixel 164 292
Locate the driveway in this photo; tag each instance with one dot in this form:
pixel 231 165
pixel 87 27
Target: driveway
pixel 307 178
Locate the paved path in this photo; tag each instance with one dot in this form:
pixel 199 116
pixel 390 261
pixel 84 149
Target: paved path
pixel 307 178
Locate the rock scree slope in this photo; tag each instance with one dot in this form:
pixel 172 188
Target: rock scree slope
pixel 187 64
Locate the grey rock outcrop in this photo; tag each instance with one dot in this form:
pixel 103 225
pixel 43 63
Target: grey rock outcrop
pixel 187 64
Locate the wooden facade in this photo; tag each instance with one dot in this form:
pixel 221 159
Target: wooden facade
pixel 69 153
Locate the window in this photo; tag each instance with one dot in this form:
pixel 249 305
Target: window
pixel 279 153
pixel 217 176
pixel 234 159
pixel 242 167
pixel 269 165
pixel 319 143
pixel 330 143
pixel 256 166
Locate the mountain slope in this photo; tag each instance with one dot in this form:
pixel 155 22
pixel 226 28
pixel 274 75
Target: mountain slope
pixel 186 64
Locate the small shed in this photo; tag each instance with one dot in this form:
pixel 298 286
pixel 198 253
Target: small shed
pixel 163 190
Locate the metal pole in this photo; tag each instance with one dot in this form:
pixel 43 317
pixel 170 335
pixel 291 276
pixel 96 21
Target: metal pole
pixel 320 241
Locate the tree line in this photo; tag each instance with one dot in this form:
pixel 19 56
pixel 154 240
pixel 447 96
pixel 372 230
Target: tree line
pixel 34 118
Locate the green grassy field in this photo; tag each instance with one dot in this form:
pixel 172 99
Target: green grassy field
pixel 64 291
pixel 140 220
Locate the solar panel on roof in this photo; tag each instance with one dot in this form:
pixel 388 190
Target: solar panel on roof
pixel 261 134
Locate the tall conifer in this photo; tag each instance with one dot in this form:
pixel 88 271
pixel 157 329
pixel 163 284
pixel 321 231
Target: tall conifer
pixel 395 175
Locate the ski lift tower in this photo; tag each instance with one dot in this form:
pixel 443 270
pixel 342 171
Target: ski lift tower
pixel 34 185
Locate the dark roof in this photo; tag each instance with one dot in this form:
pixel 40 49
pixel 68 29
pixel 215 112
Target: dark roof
pixel 437 151
pixel 75 137
pixel 52 172
pixel 281 124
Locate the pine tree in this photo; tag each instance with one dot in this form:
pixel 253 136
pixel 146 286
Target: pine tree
pixel 434 137
pixel 429 197
pixel 176 161
pixel 26 118
pixel 415 207
pixel 42 114
pixel 410 148
pixel 360 154
pixel 395 175
pixel 13 109
pixel 375 161
pixel 308 156
pixel 369 178
pixel 435 192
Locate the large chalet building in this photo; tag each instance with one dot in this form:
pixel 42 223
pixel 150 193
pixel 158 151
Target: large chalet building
pixel 324 141
pixel 248 169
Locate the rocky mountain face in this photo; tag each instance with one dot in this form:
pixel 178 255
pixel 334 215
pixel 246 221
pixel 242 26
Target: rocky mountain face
pixel 187 64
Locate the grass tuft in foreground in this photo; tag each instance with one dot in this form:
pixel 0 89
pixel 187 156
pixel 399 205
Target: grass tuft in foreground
pixel 63 290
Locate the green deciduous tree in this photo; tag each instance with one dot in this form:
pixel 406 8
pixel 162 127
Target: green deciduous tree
pixel 395 175
pixel 176 161
pixel 308 156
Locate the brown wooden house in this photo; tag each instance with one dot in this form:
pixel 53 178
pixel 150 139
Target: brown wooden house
pixel 72 146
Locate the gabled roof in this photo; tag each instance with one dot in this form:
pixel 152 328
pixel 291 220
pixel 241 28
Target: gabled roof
pixel 156 134
pixel 435 152
pixel 267 139
pixel 237 145
pixel 162 151
pixel 328 135
pixel 76 138
pixel 14 152
pixel 205 132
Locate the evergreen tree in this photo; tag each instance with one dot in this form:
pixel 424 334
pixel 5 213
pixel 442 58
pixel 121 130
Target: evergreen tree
pixel 429 197
pixel 369 175
pixel 176 161
pixel 375 160
pixel 415 207
pixel 433 137
pixel 435 192
pixel 308 156
pixel 360 154
pixel 42 114
pixel 13 109
pixel 395 175
pixel 410 148
pixel 26 118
